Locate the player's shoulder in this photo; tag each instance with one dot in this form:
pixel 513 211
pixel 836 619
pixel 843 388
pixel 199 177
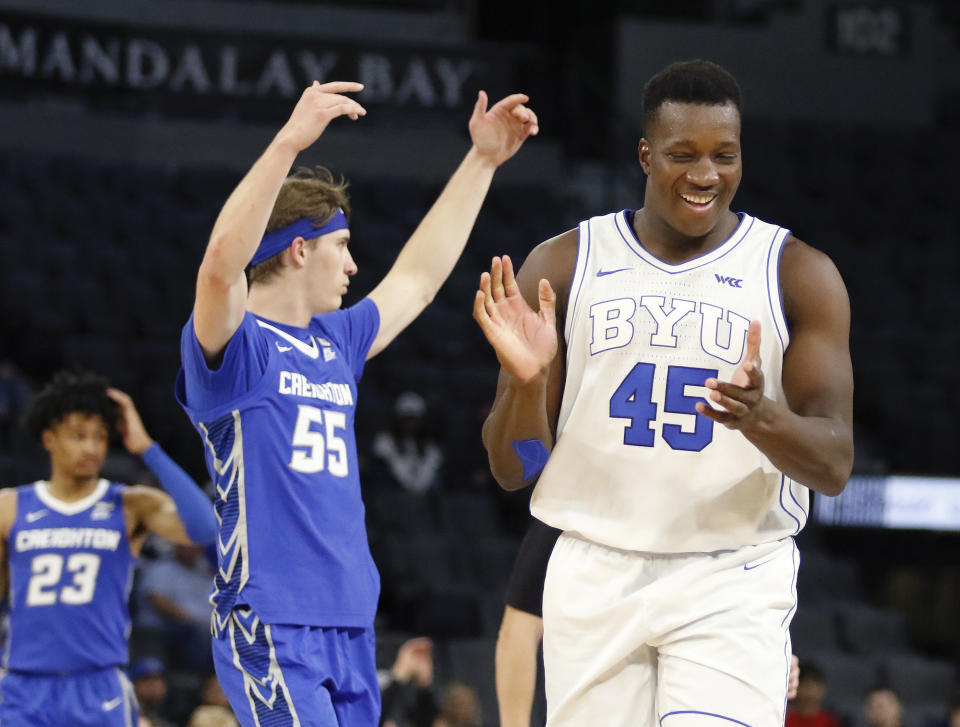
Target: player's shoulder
pixel 346 327
pixel 809 277
pixel 142 501
pixel 341 317
pixel 801 258
pixel 9 495
pixel 138 491
pixel 8 508
pixel 560 243
pixel 554 259
pixel 137 498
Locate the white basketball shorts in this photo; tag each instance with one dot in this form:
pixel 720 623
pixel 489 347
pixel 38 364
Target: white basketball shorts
pixel 653 640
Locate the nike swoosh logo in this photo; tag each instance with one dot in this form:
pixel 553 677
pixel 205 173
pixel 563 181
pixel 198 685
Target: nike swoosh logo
pixel 311 351
pixel 283 349
pixel 32 517
pixel 601 273
pixel 111 704
pixel 751 566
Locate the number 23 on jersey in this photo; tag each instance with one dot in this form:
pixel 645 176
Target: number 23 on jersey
pixel 46 571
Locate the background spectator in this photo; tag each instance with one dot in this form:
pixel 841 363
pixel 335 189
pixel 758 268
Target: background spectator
pixel 806 710
pixel 212 693
pixel 149 678
pixel 882 708
pixel 412 457
pixel 212 716
pixel 174 597
pixel 460 708
pixel 408 694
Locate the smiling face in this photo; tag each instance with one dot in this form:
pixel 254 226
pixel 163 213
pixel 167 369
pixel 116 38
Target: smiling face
pixel 329 265
pixel 77 444
pixel 691 156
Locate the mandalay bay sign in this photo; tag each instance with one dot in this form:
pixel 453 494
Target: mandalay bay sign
pixel 198 72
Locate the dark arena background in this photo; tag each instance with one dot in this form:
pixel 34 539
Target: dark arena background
pixel 126 123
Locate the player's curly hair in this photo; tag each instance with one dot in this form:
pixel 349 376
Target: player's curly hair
pixel 696 82
pixel 311 192
pixel 66 393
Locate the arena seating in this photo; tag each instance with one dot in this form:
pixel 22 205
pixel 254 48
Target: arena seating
pixel 99 262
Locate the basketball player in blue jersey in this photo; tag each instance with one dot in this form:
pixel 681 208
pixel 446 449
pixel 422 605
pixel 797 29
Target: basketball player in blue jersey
pixel 68 545
pixel 269 378
pixel 703 387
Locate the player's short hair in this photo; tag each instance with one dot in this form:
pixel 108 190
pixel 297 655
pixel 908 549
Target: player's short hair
pixel 311 192
pixel 695 82
pixel 66 393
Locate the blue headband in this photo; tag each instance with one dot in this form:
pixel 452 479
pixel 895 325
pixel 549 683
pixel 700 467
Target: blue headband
pixel 280 240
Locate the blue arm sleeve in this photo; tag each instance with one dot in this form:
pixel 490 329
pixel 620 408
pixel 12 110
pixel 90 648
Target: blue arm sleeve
pixel 533 455
pixel 195 510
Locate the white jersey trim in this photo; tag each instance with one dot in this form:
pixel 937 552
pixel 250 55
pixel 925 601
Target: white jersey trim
pixel 774 291
pixel 42 488
pixel 787 484
pixel 129 697
pixel 310 351
pixel 583 255
pixel 630 238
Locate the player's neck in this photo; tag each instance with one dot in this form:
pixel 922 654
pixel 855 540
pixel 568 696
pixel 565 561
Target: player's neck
pixel 279 301
pixel 68 488
pixel 668 244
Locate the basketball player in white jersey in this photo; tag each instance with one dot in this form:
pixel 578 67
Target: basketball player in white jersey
pixel 702 387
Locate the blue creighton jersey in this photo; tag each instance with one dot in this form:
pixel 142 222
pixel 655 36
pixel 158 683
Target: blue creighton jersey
pixel 276 419
pixel 70 574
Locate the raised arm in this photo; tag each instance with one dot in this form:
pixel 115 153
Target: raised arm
pixel 221 283
pixel 809 437
pixel 429 255
pixel 522 319
pixel 183 513
pixel 8 514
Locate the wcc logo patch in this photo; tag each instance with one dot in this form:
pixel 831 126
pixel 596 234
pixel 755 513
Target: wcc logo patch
pixel 727 280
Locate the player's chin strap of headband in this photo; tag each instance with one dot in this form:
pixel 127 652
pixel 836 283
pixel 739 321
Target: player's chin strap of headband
pixel 280 239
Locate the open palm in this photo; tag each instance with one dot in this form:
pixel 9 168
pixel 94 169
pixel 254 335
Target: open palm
pixel 524 340
pixel 499 132
pixel 320 104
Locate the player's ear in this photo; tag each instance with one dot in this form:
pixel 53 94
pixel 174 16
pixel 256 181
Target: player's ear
pixel 46 439
pixel 297 252
pixel 643 153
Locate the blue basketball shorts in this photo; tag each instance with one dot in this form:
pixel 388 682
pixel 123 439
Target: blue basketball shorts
pixel 282 675
pixel 98 698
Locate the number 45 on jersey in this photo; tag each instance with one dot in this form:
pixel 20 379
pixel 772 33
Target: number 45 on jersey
pixel 633 400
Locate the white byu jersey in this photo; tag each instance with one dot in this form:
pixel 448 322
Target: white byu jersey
pixel 634 466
